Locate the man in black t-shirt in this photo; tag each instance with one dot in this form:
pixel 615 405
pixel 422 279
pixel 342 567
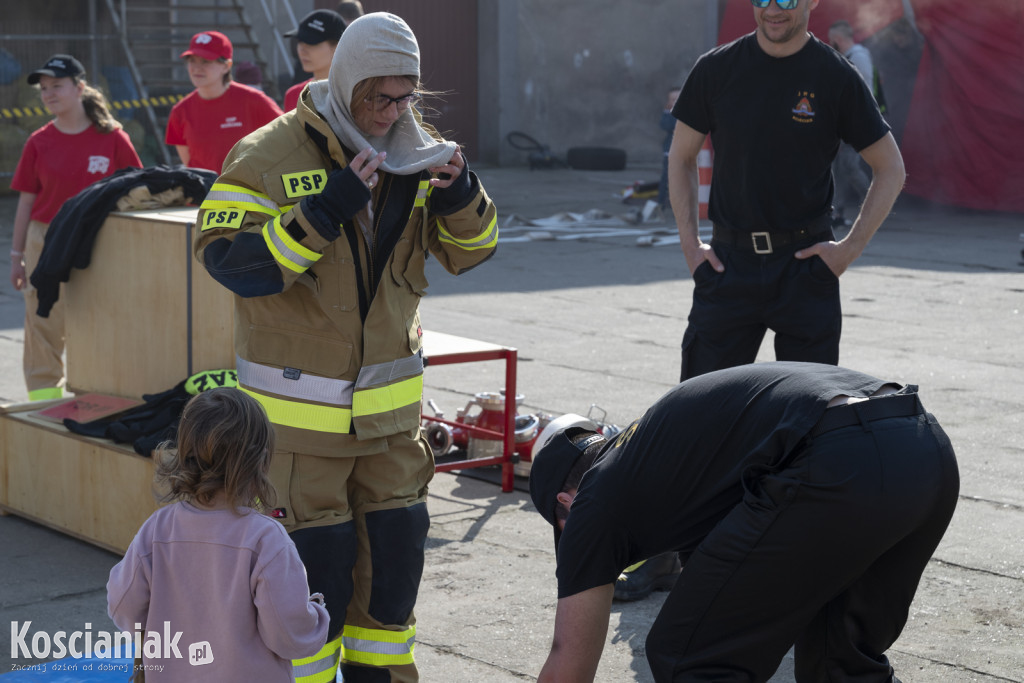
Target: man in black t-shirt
pixel 805 498
pixel 777 103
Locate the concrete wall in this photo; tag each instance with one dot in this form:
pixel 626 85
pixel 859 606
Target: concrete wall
pixel 585 72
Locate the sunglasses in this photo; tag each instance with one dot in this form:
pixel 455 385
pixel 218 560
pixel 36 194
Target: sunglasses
pixel 783 4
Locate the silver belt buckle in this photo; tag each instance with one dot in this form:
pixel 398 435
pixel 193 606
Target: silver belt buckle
pixel 767 240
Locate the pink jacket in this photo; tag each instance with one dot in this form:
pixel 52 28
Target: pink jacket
pixel 233 587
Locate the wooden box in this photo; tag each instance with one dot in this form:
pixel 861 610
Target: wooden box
pixel 145 314
pixel 142 317
pixel 92 489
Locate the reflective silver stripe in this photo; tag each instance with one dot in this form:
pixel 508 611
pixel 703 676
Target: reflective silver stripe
pixel 305 388
pixel 219 193
pixel 379 647
pixel 326 664
pixel 487 238
pixel 275 232
pixel 382 373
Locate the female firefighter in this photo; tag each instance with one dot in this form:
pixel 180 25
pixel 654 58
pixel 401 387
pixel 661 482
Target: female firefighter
pixel 320 225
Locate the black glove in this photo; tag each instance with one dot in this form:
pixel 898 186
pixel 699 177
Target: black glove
pixel 448 200
pixel 342 198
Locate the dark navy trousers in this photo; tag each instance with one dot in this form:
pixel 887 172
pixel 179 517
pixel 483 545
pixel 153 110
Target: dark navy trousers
pixel 825 553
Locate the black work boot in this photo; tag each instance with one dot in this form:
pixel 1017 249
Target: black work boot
pixel 657 573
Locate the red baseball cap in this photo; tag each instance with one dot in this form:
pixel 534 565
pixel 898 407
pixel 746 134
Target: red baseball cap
pixel 210 45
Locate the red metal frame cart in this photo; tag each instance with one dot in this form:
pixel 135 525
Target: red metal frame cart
pixel 446 349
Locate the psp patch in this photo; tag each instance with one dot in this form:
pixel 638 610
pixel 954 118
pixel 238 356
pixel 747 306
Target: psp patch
pixel 223 218
pixel 304 183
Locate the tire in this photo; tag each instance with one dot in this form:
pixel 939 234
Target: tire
pixel 597 158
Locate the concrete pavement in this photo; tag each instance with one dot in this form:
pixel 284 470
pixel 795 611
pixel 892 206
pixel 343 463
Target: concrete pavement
pixel 935 300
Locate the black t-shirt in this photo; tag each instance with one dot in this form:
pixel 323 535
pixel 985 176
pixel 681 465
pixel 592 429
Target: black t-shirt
pixel 775 126
pixel 676 471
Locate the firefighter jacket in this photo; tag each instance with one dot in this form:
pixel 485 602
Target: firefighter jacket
pixel 327 332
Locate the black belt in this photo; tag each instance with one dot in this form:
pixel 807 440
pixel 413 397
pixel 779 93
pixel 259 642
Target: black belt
pixel 768 242
pixel 877 408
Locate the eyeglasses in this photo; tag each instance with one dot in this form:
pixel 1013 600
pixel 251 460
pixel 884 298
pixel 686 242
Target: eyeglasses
pixel 382 102
pixel 783 4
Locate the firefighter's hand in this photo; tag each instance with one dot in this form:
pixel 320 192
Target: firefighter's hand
pixel 448 174
pixel 365 166
pixel 18 279
pixel 346 192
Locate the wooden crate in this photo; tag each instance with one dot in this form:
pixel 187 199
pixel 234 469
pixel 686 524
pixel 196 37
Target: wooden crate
pixel 145 315
pixel 92 489
pixel 142 317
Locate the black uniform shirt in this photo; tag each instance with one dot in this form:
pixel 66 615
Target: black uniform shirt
pixel 676 471
pixel 775 126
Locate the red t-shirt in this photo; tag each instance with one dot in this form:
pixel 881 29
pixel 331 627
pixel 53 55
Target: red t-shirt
pixel 291 97
pixel 56 166
pixel 210 128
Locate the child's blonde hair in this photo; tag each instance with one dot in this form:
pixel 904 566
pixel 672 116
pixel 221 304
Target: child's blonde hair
pixel 224 444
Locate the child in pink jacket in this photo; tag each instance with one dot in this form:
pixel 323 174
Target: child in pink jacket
pixel 214 590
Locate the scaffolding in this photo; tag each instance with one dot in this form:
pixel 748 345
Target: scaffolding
pixel 130 50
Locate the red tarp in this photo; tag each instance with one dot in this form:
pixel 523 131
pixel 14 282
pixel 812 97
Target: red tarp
pixel 963 142
pixel 964 139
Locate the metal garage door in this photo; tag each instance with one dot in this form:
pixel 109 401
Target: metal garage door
pixel 447 34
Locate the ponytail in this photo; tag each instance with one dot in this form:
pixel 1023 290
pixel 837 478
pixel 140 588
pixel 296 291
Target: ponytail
pixel 98 110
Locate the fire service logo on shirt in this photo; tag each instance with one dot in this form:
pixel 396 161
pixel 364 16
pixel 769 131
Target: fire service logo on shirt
pixel 231 122
pixel 99 164
pixel 803 112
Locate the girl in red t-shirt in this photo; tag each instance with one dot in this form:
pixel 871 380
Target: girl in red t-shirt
pixel 82 144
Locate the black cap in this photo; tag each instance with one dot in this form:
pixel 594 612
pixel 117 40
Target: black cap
pixel 58 66
pixel 318 26
pixel 551 466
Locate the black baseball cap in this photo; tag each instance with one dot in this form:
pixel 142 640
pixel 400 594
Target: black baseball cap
pixel 58 66
pixel 552 464
pixel 318 26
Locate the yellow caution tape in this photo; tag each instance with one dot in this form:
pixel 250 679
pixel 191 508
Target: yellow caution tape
pixel 160 101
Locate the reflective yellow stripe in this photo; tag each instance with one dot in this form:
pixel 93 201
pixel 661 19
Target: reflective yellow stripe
pixel 421 193
pixel 485 240
pixel 329 648
pixel 45 394
pixel 226 196
pixel 382 373
pixel 293 245
pixel 326 676
pixel 321 667
pixel 286 250
pixel 377 647
pixel 241 206
pixel 276 253
pixel 228 191
pixel 387 398
pixel 304 415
